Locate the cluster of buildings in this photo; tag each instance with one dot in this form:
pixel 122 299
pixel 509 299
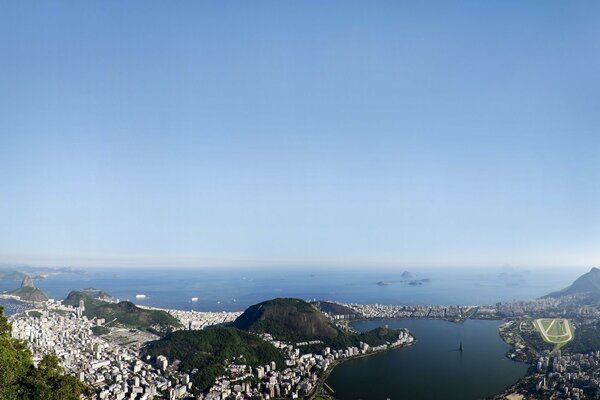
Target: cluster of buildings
pixel 575 376
pixel 548 307
pixel 114 371
pixel 376 311
pixel 570 306
pixel 195 320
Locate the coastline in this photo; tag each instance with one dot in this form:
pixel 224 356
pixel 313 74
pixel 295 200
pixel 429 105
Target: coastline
pixel 319 392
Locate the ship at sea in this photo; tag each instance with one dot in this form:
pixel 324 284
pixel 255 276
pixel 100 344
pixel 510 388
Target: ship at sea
pixel 140 296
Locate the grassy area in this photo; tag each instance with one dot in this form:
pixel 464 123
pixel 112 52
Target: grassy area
pixel 557 331
pixel 100 330
pixel 34 314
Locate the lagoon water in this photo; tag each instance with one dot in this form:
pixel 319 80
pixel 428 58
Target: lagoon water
pixel 433 368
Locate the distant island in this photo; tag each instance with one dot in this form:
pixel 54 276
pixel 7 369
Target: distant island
pixel 407 277
pixel 416 282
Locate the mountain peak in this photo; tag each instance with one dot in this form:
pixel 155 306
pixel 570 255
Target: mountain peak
pixel 27 282
pixel 588 283
pixel 287 317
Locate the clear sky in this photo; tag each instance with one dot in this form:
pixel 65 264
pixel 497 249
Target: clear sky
pixel 448 133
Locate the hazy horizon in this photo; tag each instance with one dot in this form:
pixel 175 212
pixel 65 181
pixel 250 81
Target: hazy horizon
pixel 262 134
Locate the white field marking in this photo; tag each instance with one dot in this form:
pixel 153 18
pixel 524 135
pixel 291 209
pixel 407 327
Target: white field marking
pixel 555 339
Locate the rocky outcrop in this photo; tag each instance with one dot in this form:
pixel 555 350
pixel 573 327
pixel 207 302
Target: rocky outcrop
pixel 27 282
pixel 28 291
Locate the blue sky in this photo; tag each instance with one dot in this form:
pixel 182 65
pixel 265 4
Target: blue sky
pixel 289 133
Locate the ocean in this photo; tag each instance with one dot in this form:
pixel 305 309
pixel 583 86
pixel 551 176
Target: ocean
pixel 235 289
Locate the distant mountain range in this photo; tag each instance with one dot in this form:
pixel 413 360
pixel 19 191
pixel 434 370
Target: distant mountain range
pixel 586 284
pixel 18 272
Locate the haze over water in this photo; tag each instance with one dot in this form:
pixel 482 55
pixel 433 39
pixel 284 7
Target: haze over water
pixel 236 289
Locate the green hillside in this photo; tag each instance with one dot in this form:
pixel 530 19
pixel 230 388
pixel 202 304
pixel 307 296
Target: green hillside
pixel 287 319
pixel 125 313
pixel 210 349
pixel 294 320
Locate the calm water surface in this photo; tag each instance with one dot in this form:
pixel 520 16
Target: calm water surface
pixel 236 289
pixel 432 368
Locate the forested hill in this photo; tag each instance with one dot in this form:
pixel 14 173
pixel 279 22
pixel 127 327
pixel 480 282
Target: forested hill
pixel 287 319
pixel 295 320
pixel 125 313
pixel 210 349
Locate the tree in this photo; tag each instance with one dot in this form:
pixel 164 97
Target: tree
pixel 20 379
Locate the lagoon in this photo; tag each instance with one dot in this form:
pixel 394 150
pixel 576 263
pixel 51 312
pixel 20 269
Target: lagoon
pixel 433 368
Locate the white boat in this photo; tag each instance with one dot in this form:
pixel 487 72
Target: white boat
pixel 140 296
pixel 194 299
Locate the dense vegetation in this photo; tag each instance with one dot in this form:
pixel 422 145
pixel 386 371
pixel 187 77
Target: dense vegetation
pixel 100 330
pixel 535 341
pixel 125 313
pixel 21 380
pixel 585 338
pixel 210 349
pixel 287 319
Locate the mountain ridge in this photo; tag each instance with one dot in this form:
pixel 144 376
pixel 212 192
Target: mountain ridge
pixel 588 283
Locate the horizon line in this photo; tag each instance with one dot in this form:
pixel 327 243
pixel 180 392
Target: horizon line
pixel 200 263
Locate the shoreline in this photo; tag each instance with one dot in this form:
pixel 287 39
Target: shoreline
pixel 322 379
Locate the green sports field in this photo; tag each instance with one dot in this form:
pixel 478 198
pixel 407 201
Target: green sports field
pixel 554 330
